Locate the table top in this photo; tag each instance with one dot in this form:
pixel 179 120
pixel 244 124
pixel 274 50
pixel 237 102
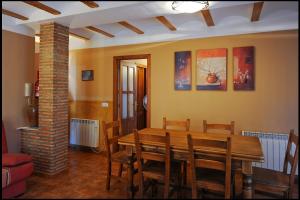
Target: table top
pixel 243 147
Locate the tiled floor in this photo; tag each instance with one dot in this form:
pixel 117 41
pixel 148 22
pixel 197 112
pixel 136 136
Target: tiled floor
pixel 85 179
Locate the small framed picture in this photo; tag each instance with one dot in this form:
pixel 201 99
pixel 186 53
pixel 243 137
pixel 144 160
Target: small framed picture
pixel 87 75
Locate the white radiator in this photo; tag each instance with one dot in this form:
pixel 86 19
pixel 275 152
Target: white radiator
pixel 84 132
pixel 274 147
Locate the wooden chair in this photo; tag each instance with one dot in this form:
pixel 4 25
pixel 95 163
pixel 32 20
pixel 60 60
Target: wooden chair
pixel 158 162
pixel 205 171
pixel 229 127
pixel 270 181
pixel 119 156
pixel 186 126
pixel 182 124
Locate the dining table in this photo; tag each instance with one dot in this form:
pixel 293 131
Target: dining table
pixel 244 151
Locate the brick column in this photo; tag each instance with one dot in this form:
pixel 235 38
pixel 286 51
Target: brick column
pixel 53 100
pixel 49 143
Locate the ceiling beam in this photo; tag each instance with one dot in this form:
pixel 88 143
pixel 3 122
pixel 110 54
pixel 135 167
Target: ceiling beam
pixel 257 7
pixel 207 17
pixel 43 7
pixel 131 27
pixel 12 14
pixel 71 34
pixel 166 22
pixel 90 4
pixel 92 28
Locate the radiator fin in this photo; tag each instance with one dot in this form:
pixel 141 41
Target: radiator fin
pixel 274 147
pixel 84 132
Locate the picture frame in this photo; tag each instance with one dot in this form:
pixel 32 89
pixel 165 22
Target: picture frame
pixel 183 70
pixel 211 69
pixel 87 75
pixel 243 68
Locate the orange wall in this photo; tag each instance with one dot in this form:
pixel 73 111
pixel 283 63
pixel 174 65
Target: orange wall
pixel 17 69
pixel 273 106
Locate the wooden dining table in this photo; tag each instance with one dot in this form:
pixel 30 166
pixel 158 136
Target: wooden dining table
pixel 245 150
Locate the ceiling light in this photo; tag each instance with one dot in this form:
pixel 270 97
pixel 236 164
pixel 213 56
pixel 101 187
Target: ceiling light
pixel 189 6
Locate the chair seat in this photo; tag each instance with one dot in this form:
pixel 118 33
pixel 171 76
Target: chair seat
pixel 270 178
pixel 156 170
pixel 206 178
pixel 121 157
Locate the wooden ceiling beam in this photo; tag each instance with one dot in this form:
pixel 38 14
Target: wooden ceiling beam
pixel 43 7
pixel 92 28
pixel 257 7
pixel 13 14
pixel 207 17
pixel 90 4
pixel 131 27
pixel 166 22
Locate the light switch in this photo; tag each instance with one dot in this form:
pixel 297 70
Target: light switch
pixel 104 104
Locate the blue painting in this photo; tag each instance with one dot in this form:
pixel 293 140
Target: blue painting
pixel 183 69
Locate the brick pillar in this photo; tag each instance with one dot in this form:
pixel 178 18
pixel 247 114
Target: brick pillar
pixel 53 99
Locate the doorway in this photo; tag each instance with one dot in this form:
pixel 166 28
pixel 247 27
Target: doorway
pixel 131 88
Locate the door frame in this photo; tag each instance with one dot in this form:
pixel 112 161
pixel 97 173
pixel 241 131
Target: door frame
pixel 116 63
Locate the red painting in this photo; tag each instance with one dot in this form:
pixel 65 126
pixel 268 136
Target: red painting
pixel 243 65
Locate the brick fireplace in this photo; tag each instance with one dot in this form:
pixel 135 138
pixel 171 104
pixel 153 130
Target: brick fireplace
pixel 48 144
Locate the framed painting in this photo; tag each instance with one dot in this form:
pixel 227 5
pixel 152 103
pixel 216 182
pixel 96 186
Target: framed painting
pixel 183 70
pixel 87 75
pixel 243 68
pixel 211 69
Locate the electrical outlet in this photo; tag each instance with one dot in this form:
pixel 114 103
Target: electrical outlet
pixel 104 104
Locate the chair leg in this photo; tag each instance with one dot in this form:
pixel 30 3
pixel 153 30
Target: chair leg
pixel 130 191
pixel 166 188
pixel 120 170
pixel 141 186
pixel 179 185
pixel 108 176
pixel 183 172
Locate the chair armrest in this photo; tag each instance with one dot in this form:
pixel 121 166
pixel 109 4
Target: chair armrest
pixel 14 159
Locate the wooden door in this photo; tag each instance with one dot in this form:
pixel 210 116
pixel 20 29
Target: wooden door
pixel 141 92
pixel 127 97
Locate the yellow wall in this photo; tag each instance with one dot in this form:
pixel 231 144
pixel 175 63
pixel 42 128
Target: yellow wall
pixel 17 69
pixel 273 106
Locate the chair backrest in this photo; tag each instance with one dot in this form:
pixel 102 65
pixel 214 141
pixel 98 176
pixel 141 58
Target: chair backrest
pixel 4 143
pixel 161 152
pixel 291 159
pixel 210 162
pixel 229 127
pixel 183 124
pixel 148 153
pixel 114 139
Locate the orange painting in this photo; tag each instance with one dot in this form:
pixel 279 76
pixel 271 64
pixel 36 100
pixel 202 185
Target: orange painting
pixel 211 69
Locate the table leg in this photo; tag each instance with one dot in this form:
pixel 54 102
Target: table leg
pixel 247 180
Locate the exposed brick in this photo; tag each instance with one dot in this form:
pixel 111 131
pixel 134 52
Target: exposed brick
pixel 48 145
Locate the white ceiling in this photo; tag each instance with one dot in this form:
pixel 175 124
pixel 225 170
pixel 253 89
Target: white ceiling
pixel 230 18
